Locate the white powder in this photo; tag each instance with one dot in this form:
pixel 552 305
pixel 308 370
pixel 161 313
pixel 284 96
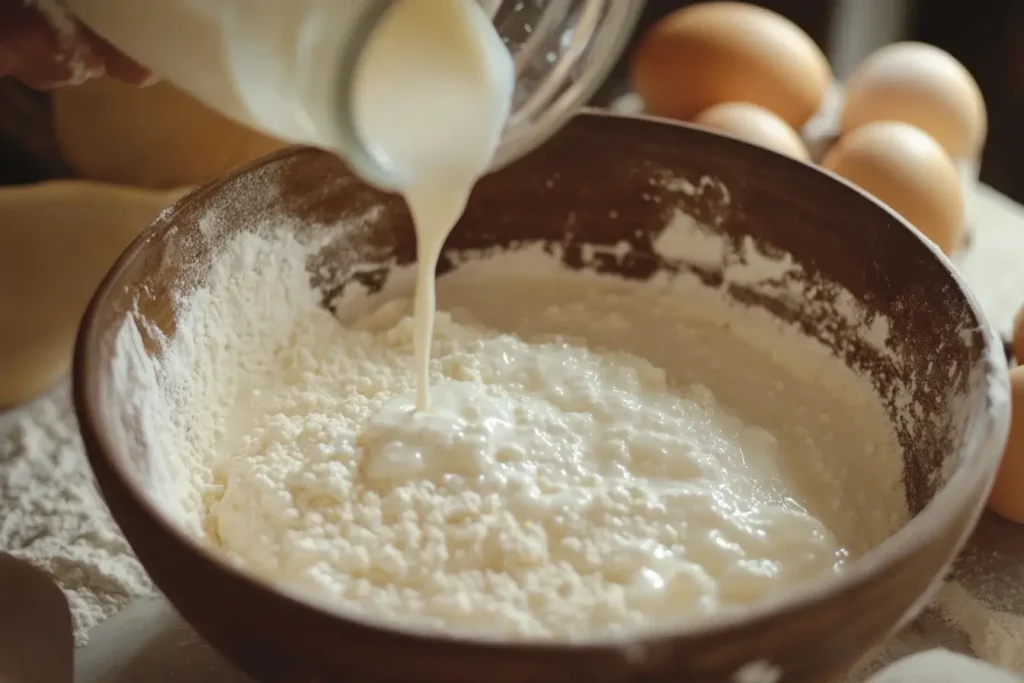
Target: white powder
pixel 271 466
pixel 975 613
pixel 51 513
pixel 75 49
pixel 757 672
pixel 995 636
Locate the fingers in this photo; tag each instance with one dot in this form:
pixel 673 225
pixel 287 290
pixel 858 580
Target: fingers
pixel 32 50
pixel 51 52
pixel 115 64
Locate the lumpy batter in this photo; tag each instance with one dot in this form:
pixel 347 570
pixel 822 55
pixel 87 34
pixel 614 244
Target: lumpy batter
pixel 554 489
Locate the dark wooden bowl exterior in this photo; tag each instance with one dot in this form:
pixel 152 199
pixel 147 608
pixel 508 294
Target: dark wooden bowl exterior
pixel 565 192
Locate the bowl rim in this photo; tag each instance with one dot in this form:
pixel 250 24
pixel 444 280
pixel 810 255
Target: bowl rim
pixel 950 502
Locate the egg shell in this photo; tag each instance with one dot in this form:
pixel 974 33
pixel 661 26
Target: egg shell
pixel 1007 498
pixel 907 169
pixel 1018 337
pixel 716 52
pixel 923 85
pixel 755 125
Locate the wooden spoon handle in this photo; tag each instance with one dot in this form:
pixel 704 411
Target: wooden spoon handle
pixel 36 638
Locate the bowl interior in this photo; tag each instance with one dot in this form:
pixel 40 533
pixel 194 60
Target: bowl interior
pixel 867 286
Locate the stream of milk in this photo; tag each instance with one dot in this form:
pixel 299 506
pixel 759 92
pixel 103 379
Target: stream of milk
pixel 433 92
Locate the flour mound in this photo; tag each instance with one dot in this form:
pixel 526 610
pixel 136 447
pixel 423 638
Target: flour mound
pixel 52 515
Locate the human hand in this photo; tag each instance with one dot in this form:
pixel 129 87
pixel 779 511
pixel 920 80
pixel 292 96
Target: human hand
pixel 43 45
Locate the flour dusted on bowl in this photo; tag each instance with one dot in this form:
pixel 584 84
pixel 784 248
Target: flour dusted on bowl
pixel 600 455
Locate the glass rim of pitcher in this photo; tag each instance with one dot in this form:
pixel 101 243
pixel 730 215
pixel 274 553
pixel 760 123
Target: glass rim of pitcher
pixel 563 92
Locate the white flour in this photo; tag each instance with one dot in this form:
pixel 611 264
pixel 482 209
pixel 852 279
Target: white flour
pixel 75 50
pixel 290 507
pixel 51 513
pixel 995 635
pixel 960 620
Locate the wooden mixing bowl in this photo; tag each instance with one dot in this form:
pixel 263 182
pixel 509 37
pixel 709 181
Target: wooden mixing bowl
pixel 603 180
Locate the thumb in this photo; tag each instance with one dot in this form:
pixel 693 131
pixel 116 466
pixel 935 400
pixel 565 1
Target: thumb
pixel 44 46
pixel 115 64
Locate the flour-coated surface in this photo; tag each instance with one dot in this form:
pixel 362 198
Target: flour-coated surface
pixel 673 474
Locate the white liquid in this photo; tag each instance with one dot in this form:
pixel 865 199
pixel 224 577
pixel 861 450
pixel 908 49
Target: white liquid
pixel 432 94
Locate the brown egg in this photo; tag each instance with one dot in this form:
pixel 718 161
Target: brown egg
pixel 755 125
pixel 716 52
pixel 923 85
pixel 1007 498
pixel 907 169
pixel 1018 338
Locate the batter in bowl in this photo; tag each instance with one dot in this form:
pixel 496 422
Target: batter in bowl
pixel 598 456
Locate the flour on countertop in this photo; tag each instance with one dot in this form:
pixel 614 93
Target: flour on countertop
pixel 52 515
pixel 759 671
pixel 995 635
pixel 962 621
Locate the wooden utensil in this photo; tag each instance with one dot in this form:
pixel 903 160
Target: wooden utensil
pixel 36 638
pixel 57 240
